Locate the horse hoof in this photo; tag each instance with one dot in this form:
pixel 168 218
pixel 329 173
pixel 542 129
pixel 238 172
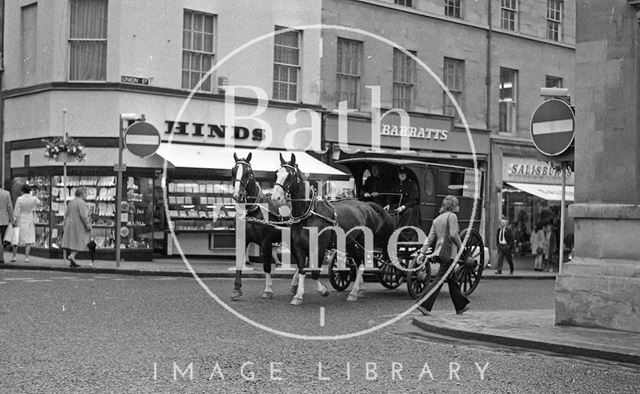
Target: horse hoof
pixel 352 297
pixel 296 301
pixel 361 293
pixel 324 293
pixel 236 294
pixel 294 290
pixel 267 295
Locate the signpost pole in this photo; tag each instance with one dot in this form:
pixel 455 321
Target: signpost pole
pixel 562 213
pixel 64 178
pixel 119 192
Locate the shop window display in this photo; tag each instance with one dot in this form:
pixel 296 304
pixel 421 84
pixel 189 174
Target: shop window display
pixel 201 206
pixel 137 209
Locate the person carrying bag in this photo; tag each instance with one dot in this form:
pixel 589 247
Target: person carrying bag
pixel 444 232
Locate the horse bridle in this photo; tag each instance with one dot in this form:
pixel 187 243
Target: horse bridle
pixel 288 180
pixel 243 195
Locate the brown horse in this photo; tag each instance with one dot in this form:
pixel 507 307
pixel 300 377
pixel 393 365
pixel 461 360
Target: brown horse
pixel 309 212
pixel 247 191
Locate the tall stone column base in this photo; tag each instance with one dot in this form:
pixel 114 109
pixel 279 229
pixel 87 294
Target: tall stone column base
pixel 601 286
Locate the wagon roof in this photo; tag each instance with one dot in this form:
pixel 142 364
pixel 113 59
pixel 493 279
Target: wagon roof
pixel 398 162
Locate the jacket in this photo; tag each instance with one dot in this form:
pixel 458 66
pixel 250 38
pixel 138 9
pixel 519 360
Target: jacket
pixel 6 208
pixel 508 236
pixel 77 225
pixel 438 229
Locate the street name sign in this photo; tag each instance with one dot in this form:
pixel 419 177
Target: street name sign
pixel 142 139
pixel 553 127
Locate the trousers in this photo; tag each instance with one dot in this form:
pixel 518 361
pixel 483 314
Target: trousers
pixel 459 299
pixel 504 251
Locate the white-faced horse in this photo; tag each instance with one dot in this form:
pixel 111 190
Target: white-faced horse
pixel 308 211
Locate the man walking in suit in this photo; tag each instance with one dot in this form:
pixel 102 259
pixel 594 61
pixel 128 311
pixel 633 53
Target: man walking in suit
pixel 6 217
pixel 504 240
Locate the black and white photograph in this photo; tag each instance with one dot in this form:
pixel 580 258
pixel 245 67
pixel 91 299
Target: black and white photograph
pixel 320 196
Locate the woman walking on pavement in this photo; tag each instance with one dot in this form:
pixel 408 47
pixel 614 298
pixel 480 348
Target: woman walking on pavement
pixel 537 247
pixel 24 214
pixel 77 226
pixel 446 219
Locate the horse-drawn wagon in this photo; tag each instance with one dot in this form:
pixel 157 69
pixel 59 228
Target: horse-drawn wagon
pixel 434 181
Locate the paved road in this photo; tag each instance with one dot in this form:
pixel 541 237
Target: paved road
pixel 90 333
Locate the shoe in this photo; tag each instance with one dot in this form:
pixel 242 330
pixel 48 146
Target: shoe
pixel 1 261
pixel 26 260
pixel 72 263
pixel 13 260
pixel 537 269
pixel 463 310
pixel 510 272
pixel 423 310
pixel 498 273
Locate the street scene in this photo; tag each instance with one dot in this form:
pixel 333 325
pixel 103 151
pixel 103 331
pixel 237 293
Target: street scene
pixel 320 196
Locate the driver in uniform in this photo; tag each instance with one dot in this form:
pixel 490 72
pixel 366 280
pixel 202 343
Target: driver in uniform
pixel 407 199
pixel 374 188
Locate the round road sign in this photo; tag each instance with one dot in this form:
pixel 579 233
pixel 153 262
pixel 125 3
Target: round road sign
pixel 142 139
pixel 552 127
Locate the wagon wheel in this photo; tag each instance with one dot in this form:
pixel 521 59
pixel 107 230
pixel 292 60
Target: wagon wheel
pixel 390 276
pixel 419 281
pixel 469 272
pixel 341 279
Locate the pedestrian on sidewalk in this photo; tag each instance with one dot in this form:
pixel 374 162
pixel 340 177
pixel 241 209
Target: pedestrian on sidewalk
pixel 24 218
pixel 437 234
pixel 538 242
pixel 77 226
pixel 550 247
pixel 504 240
pixel 6 217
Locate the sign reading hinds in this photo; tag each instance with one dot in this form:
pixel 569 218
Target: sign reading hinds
pixel 213 131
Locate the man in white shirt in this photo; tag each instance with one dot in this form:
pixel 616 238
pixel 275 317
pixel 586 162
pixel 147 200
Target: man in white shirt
pixel 504 241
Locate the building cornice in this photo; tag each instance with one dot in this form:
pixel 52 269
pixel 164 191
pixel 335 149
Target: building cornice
pixel 143 89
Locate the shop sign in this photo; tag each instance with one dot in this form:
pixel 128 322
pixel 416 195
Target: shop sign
pixel 428 132
pixel 470 183
pixel 531 171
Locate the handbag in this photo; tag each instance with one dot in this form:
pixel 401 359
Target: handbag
pixel 8 235
pixel 15 234
pixel 445 249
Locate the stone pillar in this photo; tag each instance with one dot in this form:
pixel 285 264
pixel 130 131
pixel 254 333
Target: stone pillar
pixel 601 286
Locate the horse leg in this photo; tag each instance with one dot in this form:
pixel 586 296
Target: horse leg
pixel 294 282
pixel 265 251
pixel 297 299
pixel 237 286
pixel 355 291
pixel 319 286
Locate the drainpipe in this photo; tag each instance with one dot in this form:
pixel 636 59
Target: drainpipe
pixel 487 79
pixel 489 183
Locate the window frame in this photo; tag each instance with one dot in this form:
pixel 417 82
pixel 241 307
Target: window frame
pixel 405 3
pixel 346 74
pixel 457 90
pixel 451 7
pixel 403 80
pixel 550 78
pixel 287 66
pixel 198 54
pixel 511 10
pixel 554 19
pixel 33 51
pixel 510 103
pixel 72 40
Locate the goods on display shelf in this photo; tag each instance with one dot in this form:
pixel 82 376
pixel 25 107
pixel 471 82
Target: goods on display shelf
pixel 137 218
pixel 201 205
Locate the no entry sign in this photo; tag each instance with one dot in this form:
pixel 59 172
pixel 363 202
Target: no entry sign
pixel 552 127
pixel 142 139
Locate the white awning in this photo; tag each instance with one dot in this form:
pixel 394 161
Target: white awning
pixel 547 192
pixel 221 158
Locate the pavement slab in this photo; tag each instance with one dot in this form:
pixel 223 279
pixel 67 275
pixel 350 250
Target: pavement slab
pixel 535 329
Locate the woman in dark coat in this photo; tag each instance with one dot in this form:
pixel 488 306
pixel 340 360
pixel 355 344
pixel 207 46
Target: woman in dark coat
pixel 77 226
pixel 408 209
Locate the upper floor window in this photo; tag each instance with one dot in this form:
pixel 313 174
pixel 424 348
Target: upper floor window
pixel 88 40
pixel 286 65
pixel 198 49
pixel 404 71
pixel 508 105
pixel 28 34
pixel 452 8
pixel 509 10
pixel 552 82
pixel 349 71
pixel 408 3
pixel 453 78
pixel 554 19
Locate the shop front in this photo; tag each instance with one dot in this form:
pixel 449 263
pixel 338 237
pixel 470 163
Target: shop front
pixel 530 194
pixel 423 138
pixel 197 148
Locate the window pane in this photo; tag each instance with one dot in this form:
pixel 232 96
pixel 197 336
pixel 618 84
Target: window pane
pixel 198 49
